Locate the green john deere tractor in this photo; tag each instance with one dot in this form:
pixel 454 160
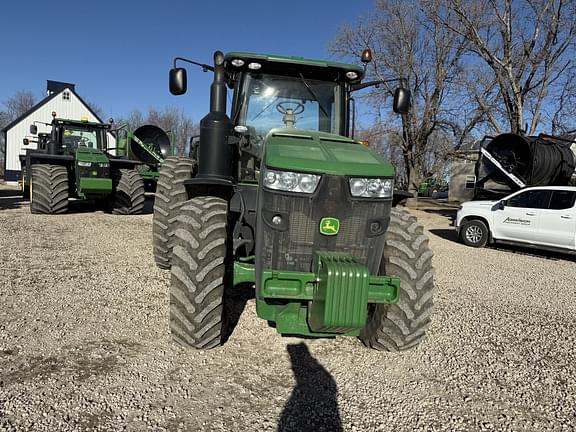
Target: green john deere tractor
pixel 279 196
pixel 73 161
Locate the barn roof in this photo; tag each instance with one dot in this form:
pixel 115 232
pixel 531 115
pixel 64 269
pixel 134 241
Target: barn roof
pixel 44 102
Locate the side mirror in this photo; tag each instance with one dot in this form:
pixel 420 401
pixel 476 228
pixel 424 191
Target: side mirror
pixel 33 129
pixel 178 81
pixel 401 100
pixel 25 141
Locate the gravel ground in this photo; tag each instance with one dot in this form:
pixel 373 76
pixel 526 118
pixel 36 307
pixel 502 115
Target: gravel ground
pixel 84 344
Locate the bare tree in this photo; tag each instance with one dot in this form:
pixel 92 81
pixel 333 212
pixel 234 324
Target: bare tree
pixel 388 144
pixel 528 46
pixel 408 44
pixel 171 120
pixel 20 103
pixel 15 106
pixel 96 109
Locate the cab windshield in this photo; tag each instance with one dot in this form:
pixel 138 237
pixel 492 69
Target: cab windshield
pixel 82 136
pixel 272 101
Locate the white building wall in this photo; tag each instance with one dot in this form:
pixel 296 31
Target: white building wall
pixel 71 108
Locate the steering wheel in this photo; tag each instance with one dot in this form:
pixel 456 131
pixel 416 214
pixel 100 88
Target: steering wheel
pixel 284 109
pixel 289 110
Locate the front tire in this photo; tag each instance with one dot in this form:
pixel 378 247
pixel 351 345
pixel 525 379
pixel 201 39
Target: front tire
pixel 474 233
pixel 49 189
pixel 199 273
pixel 401 326
pixel 170 194
pixel 128 196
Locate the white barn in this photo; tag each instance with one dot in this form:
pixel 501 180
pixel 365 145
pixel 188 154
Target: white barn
pixel 62 99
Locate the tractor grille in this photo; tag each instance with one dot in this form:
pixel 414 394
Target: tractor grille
pixel 291 246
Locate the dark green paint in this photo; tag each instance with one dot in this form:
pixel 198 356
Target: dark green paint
pixel 340 300
pixel 85 154
pixel 243 272
pixel 94 186
pixel 323 153
pixel 150 175
pixel 332 300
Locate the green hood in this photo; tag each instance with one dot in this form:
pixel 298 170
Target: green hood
pixel 320 152
pixel 86 154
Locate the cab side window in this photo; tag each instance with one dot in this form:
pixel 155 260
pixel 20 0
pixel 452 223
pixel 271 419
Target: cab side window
pixel 562 200
pixel 530 199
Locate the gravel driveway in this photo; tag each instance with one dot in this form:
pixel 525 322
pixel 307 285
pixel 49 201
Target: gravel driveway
pixel 84 344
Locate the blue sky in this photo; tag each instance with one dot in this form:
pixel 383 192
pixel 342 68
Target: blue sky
pixel 118 53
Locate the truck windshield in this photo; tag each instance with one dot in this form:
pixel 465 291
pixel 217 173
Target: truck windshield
pixel 272 101
pixel 80 136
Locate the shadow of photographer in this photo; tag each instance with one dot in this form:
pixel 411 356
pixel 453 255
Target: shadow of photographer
pixel 313 404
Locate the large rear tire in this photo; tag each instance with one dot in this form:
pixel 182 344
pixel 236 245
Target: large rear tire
pixel 49 189
pixel 401 326
pixel 170 194
pixel 128 196
pixel 199 273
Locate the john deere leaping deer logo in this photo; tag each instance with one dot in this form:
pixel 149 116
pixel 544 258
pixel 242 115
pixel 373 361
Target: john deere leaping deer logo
pixel 329 226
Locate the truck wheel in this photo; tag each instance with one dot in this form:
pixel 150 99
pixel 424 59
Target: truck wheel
pixel 170 194
pixel 401 326
pixel 199 273
pixel 49 189
pixel 128 196
pixel 474 233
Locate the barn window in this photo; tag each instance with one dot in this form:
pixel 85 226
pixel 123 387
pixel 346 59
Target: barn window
pixel 66 96
pixel 470 181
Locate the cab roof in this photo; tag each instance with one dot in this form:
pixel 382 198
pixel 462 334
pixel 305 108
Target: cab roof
pixel 60 121
pixel 281 65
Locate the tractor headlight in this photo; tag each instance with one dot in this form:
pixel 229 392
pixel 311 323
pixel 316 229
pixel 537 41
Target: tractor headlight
pixel 371 187
pixel 291 181
pixel 84 164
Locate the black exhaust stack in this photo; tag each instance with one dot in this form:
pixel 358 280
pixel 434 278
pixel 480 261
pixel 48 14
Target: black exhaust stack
pixel 52 147
pixel 215 153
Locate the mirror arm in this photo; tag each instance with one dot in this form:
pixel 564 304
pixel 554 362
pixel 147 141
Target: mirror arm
pixel 352 105
pixel 204 67
pixel 359 86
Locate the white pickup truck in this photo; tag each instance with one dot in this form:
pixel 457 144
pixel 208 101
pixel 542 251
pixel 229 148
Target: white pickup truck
pixel 543 217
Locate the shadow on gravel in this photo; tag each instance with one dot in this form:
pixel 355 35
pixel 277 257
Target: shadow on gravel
pixel 84 206
pixel 11 199
pixel 234 304
pixel 313 405
pixel 445 233
pixel 519 250
pixel 448 213
pixel 450 234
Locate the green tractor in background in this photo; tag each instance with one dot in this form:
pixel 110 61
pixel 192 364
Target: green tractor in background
pixel 74 160
pixel 279 196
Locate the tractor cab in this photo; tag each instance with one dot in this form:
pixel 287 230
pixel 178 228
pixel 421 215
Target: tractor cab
pixel 66 136
pixel 274 93
pixel 290 92
pixel 70 135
